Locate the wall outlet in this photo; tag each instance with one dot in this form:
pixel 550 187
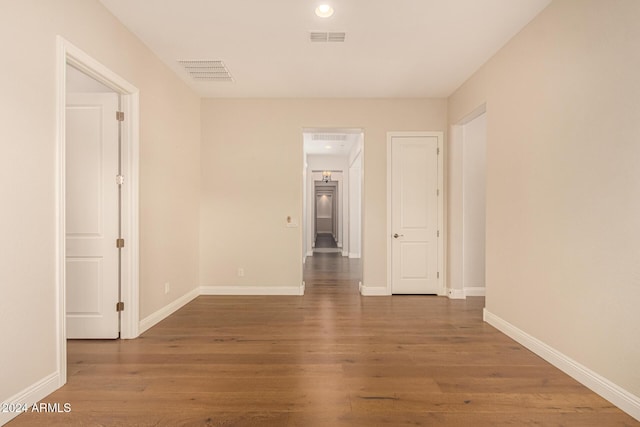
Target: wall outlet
pixel 167 287
pixel 240 272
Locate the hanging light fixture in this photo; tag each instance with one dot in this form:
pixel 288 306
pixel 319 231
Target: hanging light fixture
pixel 326 176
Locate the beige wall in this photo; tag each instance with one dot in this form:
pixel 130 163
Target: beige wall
pixel 169 173
pixel 252 180
pixel 563 182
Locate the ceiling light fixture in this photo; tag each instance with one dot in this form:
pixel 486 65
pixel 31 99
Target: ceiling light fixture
pixel 324 11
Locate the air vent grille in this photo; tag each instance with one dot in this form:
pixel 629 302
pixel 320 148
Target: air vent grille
pixel 329 137
pixel 316 37
pixel 205 70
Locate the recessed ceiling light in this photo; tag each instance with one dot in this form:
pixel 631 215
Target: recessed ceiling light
pixel 328 147
pixel 324 11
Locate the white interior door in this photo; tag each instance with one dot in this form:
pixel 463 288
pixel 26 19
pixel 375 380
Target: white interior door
pixel 92 215
pixel 414 215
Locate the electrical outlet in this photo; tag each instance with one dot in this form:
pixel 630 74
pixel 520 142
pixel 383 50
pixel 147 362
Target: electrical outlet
pixel 167 287
pixel 240 272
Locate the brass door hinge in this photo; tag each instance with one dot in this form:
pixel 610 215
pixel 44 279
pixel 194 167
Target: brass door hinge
pixel 120 306
pixel 120 116
pixel 119 243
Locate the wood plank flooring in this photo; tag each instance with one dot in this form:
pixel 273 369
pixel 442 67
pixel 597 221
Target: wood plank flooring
pixel 325 240
pixel 329 358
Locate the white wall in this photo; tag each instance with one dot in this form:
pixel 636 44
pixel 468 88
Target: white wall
pixel 473 204
pixel 355 200
pixel 169 174
pixel 563 236
pixel 306 243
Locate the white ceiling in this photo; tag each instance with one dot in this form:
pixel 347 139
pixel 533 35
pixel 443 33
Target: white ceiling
pixel 400 48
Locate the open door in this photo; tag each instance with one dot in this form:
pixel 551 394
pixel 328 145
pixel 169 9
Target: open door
pixel 92 216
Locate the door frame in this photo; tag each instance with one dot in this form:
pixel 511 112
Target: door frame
pixel 67 53
pixel 337 206
pixel 307 196
pixel 441 261
pixel 455 240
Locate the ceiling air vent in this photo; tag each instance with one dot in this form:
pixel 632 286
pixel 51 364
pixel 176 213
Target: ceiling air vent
pixel 327 37
pixel 204 70
pixel 329 137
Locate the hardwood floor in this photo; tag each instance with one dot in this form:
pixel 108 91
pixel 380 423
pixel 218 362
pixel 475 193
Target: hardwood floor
pixel 330 358
pixel 325 240
pixel 325 243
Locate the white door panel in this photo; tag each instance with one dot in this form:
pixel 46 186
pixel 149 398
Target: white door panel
pixel 92 216
pixel 414 215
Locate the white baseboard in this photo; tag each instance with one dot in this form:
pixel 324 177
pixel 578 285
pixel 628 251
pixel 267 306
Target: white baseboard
pixel 474 291
pixel 252 290
pixel 620 397
pixel 354 255
pixel 32 394
pixel 345 253
pixel 167 310
pixel 374 291
pixel 455 293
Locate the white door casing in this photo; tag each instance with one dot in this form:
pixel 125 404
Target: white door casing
pixel 92 215
pixel 68 54
pixel 416 210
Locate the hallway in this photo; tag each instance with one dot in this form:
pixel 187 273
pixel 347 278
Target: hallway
pixel 325 243
pixel 329 358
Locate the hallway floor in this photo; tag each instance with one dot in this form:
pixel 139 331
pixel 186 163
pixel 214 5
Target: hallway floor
pixel 328 358
pixel 325 243
pixel 325 240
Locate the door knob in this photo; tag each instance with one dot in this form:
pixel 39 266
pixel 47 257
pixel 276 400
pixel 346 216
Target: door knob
pixel 395 236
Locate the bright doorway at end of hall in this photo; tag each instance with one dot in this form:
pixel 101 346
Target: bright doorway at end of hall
pixel 332 174
pixel 326 219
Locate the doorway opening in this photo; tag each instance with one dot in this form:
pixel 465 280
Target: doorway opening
pixel 326 218
pixel 333 171
pixel 467 205
pixel 96 200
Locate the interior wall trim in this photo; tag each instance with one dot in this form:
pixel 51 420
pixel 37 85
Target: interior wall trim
pixel 159 315
pixel 455 293
pixel 475 291
pixel 241 290
pixel 615 394
pixel 31 395
pixel 374 291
